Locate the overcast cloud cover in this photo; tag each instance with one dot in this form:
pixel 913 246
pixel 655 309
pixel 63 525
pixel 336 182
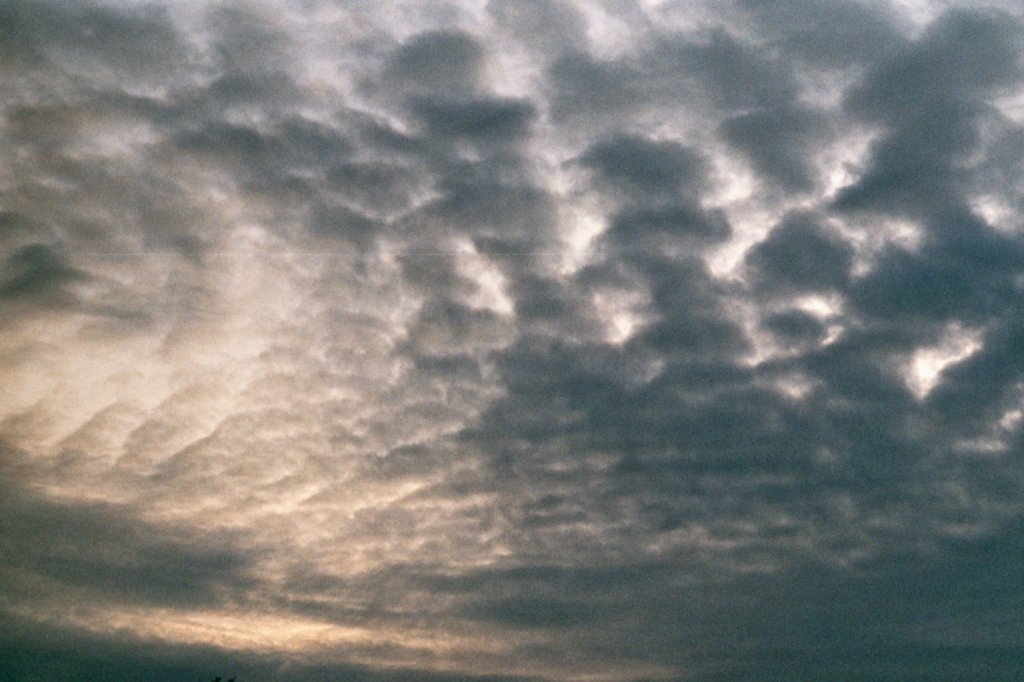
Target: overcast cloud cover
pixel 508 339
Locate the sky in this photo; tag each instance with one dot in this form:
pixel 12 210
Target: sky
pixel 494 340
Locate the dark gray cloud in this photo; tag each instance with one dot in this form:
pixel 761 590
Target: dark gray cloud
pixel 930 96
pixel 776 142
pixel 736 74
pixel 642 227
pixel 636 165
pixel 795 325
pixel 437 61
pixel 550 27
pixel 100 548
pixel 488 119
pixel 531 340
pixel 140 44
pixel 29 652
pixel 832 34
pixel 799 255
pixel 585 86
pixel 38 273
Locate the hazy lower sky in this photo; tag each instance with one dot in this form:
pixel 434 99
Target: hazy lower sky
pixel 511 339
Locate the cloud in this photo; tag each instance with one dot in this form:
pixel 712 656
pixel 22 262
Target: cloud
pixel 510 341
pixel 437 61
pixel 929 96
pixel 799 255
pixel 38 273
pixel 477 119
pixel 634 164
pixel 105 550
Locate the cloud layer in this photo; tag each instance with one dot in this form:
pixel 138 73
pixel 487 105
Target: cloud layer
pixel 526 339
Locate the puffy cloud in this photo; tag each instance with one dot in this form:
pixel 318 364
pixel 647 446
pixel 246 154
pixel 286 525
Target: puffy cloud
pixel 514 340
pixel 799 255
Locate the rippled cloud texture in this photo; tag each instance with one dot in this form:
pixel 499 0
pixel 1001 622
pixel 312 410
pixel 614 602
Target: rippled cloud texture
pixel 604 340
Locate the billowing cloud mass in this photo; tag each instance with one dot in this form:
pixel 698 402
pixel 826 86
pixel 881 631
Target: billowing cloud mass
pixel 512 339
